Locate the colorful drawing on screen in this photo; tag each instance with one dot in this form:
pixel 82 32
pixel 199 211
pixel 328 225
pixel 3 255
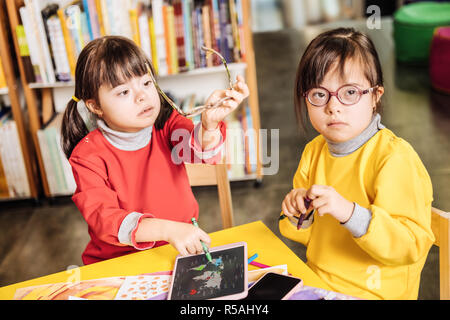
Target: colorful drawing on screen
pixel 196 278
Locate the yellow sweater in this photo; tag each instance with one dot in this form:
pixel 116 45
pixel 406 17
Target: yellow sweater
pixel 387 177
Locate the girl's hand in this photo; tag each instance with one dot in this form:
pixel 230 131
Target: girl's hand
pixel 294 203
pixel 186 238
pixel 326 200
pixel 212 117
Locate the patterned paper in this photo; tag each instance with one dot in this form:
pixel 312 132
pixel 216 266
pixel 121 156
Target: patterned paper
pixel 98 289
pixel 143 287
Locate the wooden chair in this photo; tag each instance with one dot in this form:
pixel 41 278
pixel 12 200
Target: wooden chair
pixel 209 175
pixel 441 229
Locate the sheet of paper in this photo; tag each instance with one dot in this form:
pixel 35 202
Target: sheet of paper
pixel 143 287
pixel 97 289
pixel 254 275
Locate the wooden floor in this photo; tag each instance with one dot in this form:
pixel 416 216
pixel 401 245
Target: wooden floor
pixel 36 240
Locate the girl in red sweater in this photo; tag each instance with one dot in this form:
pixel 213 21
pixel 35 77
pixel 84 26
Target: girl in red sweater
pixel 132 186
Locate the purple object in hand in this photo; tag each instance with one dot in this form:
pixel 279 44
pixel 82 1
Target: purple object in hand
pixel 302 216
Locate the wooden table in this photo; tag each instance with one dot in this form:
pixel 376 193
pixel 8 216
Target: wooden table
pixel 260 239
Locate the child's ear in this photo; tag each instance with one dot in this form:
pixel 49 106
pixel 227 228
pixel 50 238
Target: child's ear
pixel 377 96
pixel 379 93
pixel 93 107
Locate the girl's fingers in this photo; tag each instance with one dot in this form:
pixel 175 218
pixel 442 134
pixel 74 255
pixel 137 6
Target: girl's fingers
pixel 205 238
pixel 231 103
pixel 287 211
pixel 198 247
pixel 241 85
pixel 182 250
pixel 318 202
pixel 243 88
pixel 215 96
pixel 316 191
pixel 284 209
pixel 191 248
pixel 323 210
pixel 240 78
pixel 300 202
pixel 236 95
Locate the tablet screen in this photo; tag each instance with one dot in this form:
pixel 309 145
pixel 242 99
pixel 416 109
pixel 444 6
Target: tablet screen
pixel 195 278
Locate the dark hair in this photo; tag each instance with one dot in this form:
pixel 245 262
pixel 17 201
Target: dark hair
pixel 337 45
pixel 109 60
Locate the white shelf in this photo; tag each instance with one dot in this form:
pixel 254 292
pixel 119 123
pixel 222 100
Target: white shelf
pixel 233 67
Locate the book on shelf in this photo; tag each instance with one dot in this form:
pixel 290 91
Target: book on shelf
pixel 24 53
pixel 179 34
pixel 34 8
pixel 143 29
pixel 69 43
pixel 160 39
pixel 170 40
pixel 226 35
pixel 241 31
pixel 58 48
pixel 207 34
pixel 36 59
pixel 134 24
pixel 4 189
pixel 13 176
pixel 214 30
pixel 93 22
pixel 171 32
pixel 186 7
pixel 57 168
pixel 2 76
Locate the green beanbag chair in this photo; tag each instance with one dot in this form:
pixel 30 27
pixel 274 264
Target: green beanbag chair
pixel 414 25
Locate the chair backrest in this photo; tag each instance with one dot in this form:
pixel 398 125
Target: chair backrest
pixel 209 175
pixel 441 229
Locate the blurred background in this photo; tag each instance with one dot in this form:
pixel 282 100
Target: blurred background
pixel 38 239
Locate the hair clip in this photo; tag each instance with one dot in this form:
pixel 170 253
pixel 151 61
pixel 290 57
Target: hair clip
pixel 75 99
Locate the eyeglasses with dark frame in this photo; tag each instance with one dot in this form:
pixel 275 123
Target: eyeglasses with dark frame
pixel 348 95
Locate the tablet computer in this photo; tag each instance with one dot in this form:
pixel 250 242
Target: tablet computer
pixel 195 278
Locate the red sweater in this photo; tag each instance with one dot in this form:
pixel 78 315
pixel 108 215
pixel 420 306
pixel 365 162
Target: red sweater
pixel 112 183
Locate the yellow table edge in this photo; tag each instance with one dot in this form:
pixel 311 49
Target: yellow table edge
pixel 256 234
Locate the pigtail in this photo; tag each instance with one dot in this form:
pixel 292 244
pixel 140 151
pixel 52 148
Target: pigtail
pixel 73 128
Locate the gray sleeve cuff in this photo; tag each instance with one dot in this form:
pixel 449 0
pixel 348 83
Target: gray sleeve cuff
pixel 127 226
pixel 359 221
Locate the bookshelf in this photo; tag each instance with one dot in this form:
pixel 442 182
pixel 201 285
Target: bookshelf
pixel 41 97
pixel 30 177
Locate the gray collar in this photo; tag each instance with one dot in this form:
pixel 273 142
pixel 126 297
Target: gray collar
pixel 341 149
pixel 127 141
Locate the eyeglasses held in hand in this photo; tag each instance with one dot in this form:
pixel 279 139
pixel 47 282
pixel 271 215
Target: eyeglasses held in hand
pixel 347 95
pixel 197 110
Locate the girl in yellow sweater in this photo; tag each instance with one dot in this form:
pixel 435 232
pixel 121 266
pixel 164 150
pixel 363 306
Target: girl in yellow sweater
pixel 369 193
